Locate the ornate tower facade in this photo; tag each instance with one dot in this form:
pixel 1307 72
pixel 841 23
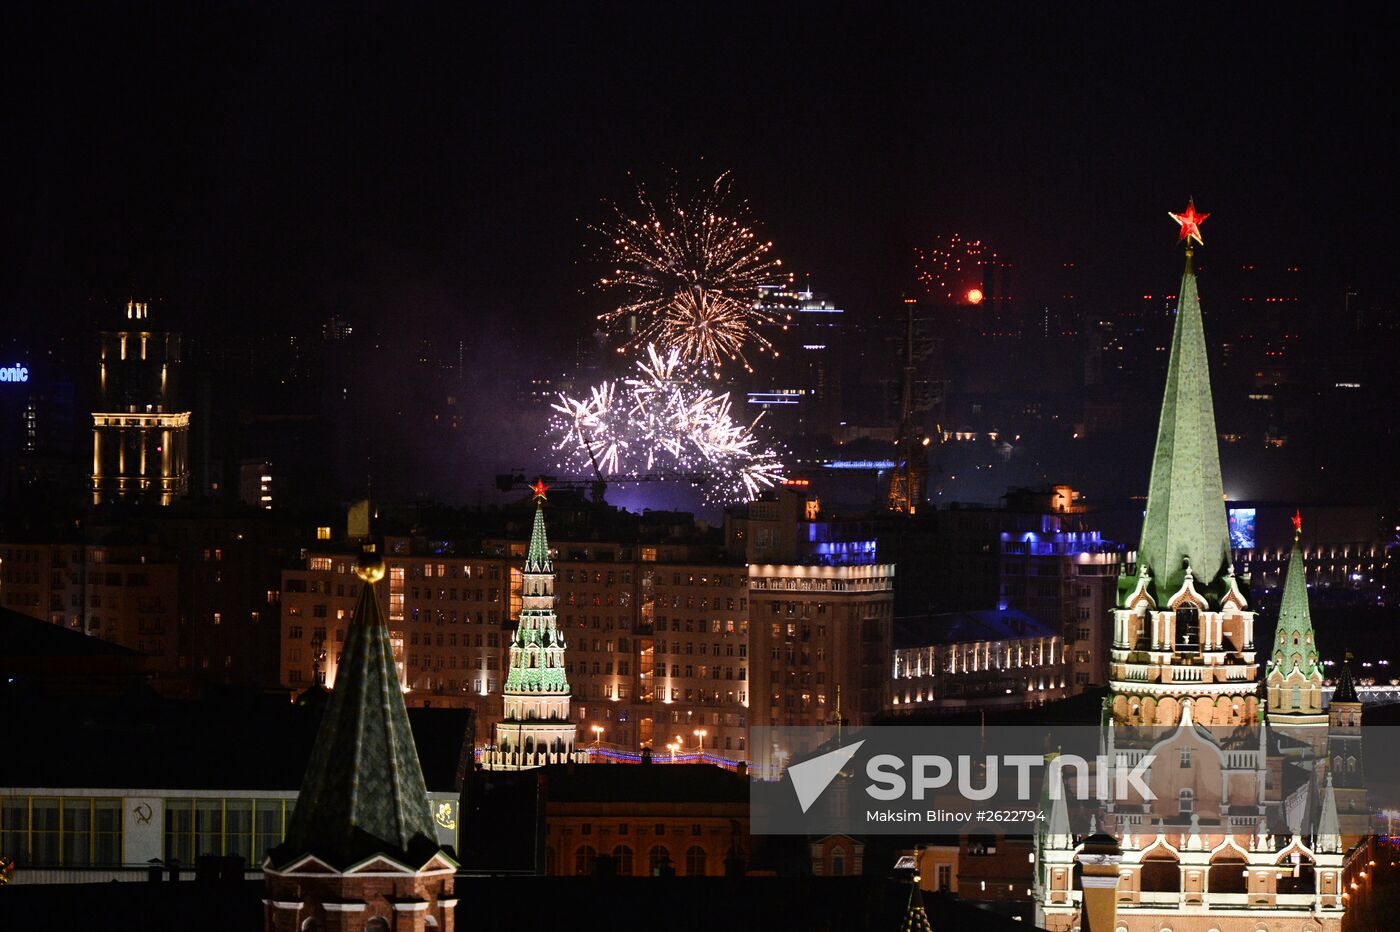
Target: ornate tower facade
pixel 140 438
pixel 1183 630
pixel 1344 762
pixel 535 728
pixel 361 852
pixel 1227 839
pixel 1294 671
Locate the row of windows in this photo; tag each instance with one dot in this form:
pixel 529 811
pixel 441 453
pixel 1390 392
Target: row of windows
pixel 70 832
pixel 244 828
pixel 725 626
pixel 658 860
pixel 674 647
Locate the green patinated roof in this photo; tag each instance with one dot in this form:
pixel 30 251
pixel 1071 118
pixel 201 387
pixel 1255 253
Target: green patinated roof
pixel 537 557
pixel 1294 620
pixel 363 792
pixel 1186 500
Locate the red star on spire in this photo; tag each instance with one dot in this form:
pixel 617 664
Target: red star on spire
pixel 1297 524
pixel 1190 222
pixel 539 488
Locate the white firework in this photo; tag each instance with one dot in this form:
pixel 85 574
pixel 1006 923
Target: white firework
pixel 664 419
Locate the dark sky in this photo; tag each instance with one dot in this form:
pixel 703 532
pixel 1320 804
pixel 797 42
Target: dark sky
pixel 433 163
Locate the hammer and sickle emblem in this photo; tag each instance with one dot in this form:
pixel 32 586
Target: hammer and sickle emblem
pixel 142 811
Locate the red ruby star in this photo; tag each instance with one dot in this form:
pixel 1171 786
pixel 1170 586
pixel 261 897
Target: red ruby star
pixel 1190 222
pixel 539 488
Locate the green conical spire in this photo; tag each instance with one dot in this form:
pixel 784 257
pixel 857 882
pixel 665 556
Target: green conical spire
pixel 537 557
pixel 1186 501
pixel 363 793
pixel 1293 638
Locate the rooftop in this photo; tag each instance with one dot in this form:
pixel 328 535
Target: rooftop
pixel 964 627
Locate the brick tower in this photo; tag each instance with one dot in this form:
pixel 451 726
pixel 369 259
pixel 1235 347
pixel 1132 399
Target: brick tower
pixel 361 852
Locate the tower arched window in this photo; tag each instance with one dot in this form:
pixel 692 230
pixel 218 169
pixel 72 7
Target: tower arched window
pixel 838 861
pixel 1186 801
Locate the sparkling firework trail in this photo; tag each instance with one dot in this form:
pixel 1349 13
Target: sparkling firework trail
pixel 951 265
pixel 663 419
pixel 688 275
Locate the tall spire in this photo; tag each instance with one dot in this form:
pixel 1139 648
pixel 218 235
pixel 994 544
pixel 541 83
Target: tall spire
pixel 363 793
pixel 537 558
pixel 1186 520
pixel 1294 641
pixel 1346 684
pixel 1329 832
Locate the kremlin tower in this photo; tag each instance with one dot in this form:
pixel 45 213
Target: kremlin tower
pixel 361 851
pixel 535 728
pixel 1244 822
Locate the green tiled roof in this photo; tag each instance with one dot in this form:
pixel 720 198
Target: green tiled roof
pixel 1294 621
pixel 537 558
pixel 1186 500
pixel 363 793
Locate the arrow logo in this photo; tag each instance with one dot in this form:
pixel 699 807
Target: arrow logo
pixel 811 777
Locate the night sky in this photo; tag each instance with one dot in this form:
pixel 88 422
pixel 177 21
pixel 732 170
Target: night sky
pixel 280 164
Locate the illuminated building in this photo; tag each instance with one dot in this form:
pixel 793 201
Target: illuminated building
pixel 981 660
pixel 447 618
pixel 1068 579
pixel 140 436
pixel 535 727
pixel 819 642
pixel 1293 672
pixel 1213 844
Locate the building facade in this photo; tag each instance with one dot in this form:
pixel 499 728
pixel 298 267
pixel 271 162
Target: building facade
pixel 976 660
pixel 140 434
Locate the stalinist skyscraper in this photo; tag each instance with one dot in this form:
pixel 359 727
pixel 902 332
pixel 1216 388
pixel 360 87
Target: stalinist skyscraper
pixel 535 729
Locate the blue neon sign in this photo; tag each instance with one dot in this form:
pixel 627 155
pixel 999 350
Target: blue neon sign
pixel 15 373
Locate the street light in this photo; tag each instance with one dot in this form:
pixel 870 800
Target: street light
pixel 597 735
pixel 700 734
pixel 673 746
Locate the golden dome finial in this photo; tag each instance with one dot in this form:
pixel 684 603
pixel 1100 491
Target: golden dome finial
pixel 369 566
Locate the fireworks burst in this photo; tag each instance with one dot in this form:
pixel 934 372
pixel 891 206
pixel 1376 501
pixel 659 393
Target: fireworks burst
pixel 689 275
pixel 952 265
pixel 663 419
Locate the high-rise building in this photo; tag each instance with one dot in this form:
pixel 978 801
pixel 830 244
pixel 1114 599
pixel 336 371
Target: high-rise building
pixel 535 727
pixel 140 434
pixel 1067 579
pixel 798 389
